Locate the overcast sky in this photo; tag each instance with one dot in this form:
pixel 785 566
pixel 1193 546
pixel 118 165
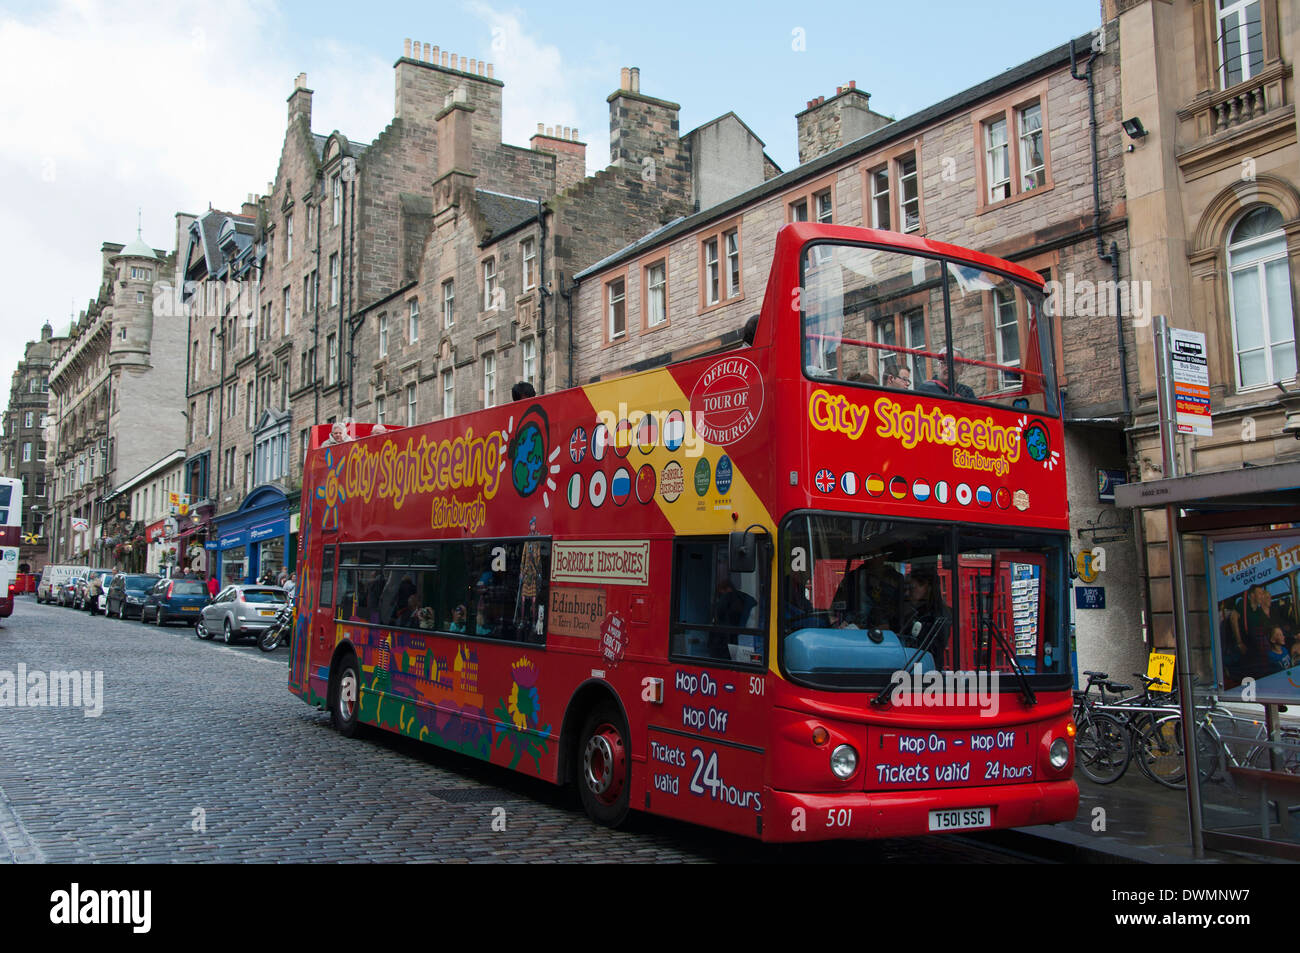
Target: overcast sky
pixel 106 108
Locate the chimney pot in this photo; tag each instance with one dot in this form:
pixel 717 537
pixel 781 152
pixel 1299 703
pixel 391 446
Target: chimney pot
pixel 444 57
pixel 565 134
pixel 433 58
pixel 625 78
pixel 575 133
pixel 426 52
pixel 406 47
pixel 853 84
pixel 636 79
pixel 489 71
pixel 541 129
pixel 550 132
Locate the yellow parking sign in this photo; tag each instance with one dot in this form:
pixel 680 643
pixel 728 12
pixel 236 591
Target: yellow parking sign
pixel 1161 665
pixel 1084 564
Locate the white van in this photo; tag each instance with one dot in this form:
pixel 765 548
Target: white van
pixel 53 577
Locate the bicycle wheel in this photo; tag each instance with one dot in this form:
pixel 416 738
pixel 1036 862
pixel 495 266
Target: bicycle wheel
pixel 1160 751
pixel 1209 752
pixel 1287 749
pixel 1102 748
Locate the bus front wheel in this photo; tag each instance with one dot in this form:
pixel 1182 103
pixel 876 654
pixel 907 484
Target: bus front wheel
pixel 345 697
pixel 603 767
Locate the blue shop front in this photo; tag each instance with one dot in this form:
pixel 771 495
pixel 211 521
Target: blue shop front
pixel 256 538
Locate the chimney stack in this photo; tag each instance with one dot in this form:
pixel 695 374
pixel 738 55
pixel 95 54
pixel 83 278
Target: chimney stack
pixel 825 126
pixel 300 100
pixel 570 154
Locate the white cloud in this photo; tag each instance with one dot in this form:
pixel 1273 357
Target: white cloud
pixel 110 107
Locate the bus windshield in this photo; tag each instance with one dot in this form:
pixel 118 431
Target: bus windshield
pixel 893 319
pixel 865 596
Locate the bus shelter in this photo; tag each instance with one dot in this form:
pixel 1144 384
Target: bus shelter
pixel 1239 607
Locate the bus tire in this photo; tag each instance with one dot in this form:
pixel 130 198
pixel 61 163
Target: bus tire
pixel 602 768
pixel 345 697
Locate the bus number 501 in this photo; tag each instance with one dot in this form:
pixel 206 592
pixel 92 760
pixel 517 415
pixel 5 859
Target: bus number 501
pixel 842 817
pixel 756 684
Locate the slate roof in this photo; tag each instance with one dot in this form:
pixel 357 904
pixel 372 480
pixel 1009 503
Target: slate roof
pixel 503 213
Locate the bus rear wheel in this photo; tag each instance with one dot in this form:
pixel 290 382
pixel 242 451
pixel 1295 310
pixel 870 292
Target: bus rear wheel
pixel 345 695
pixel 602 766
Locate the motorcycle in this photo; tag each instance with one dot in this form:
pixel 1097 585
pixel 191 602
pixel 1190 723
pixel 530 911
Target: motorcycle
pixel 281 631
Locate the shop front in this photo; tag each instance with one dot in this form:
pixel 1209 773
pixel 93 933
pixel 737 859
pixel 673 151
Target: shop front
pixel 256 540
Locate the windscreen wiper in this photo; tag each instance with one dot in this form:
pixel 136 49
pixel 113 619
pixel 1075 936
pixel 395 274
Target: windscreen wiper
pixel 922 647
pixel 1026 692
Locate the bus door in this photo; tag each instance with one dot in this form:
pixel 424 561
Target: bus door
pixel 320 638
pixel 707 741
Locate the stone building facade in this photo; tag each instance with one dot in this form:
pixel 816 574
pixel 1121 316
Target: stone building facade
pixel 1214 215
pixel 23 451
pixel 115 393
pixel 689 288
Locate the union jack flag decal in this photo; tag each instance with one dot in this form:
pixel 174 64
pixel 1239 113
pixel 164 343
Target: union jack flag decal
pixel 825 480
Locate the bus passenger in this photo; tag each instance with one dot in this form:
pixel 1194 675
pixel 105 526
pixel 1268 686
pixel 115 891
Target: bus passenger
pixel 457 619
pixel 894 375
pixel 927 608
pixel 408 616
pixel 522 391
pixel 939 383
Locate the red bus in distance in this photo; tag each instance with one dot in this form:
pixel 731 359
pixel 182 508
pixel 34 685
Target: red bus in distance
pixel 809 588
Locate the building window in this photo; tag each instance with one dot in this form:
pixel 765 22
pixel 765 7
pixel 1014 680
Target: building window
pixel 383 335
pixel 448 303
pixel 711 271
pixel 1259 295
pixel 909 193
pixel 817 206
pixel 732 239
pixel 251 407
pixel 656 294
pixel 209 428
pixel 288 237
pixel 720 265
pixel 996 160
pixel 413 322
pixel 252 334
pixel 310 290
pixel 231 395
pixel 248 472
pixel 528 254
pixel 212 349
pixel 336 192
pixel 304 440
pixel 288 321
pixel 229 462
pixel 1006 337
pixel 448 393
pixel 334 279
pixel 878 180
pixel 1013 142
pixel 615 310
pixel 529 349
pixel 29 419
pixel 489 284
pixel 27 452
pixel 1241 41
pixel 410 405
pixel 311 215
pixel 332 359
pixel 489 379
pixel 381 406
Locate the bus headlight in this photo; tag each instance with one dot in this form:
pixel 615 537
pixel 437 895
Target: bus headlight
pixel 1059 753
pixel 844 761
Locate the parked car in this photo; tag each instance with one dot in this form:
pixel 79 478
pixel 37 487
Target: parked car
pixel 52 577
pixel 68 592
pixel 125 595
pixel 174 600
pixel 241 611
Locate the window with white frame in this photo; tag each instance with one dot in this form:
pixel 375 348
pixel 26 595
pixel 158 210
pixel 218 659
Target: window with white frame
pixel 448 393
pixel 656 294
pixel 529 351
pixel 288 237
pixel 1033 167
pixel 332 359
pixel 489 283
pixel 528 255
pixel 383 335
pixel 410 405
pixel 336 192
pixel 615 309
pixel 732 239
pixel 489 379
pixel 288 313
pixel 996 164
pixel 879 182
pixel 712 275
pixel 909 193
pixel 448 303
pixel 381 409
pixel 29 419
pixel 27 452
pixel 1006 336
pixel 250 405
pixel 208 431
pixel 413 321
pixel 1241 41
pixel 334 279
pixel 212 349
pixel 1259 295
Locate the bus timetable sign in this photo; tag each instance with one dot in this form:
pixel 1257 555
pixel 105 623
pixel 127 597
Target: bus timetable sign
pixel 1191 376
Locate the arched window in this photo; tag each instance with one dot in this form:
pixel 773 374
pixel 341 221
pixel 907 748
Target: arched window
pixel 1259 294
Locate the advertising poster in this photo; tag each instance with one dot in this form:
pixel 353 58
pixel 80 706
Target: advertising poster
pixel 1254 584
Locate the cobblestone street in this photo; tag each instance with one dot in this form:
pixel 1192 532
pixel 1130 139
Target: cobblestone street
pixel 198 734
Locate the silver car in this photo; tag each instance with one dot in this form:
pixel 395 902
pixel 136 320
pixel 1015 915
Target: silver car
pixel 241 611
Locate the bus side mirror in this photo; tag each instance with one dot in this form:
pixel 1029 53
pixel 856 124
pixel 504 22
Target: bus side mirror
pixel 742 552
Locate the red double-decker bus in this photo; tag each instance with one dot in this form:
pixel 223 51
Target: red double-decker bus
pixel 810 587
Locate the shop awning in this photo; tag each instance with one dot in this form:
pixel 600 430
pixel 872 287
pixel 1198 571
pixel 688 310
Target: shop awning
pixel 1249 488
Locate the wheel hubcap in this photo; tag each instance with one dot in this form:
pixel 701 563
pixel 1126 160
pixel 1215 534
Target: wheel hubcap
pixel 604 764
pixel 347 695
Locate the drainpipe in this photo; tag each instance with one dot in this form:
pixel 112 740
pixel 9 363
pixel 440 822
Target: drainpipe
pixel 542 295
pixel 567 295
pixel 315 306
pixel 353 322
pixel 1109 256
